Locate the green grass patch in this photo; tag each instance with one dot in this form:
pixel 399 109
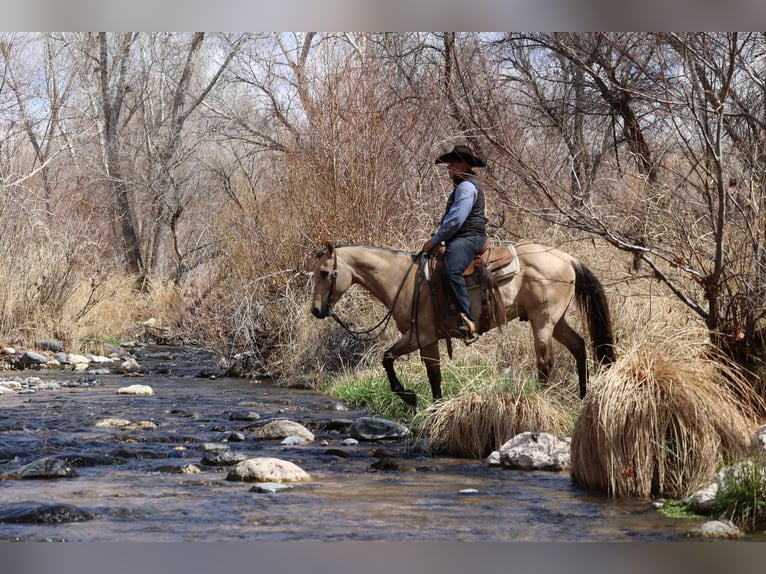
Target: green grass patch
pixel 742 496
pixel 678 509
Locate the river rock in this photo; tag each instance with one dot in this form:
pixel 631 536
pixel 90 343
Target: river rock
pixel 244 416
pixel 51 514
pixel 371 428
pixel 135 390
pixel 129 365
pixel 270 487
pixel 30 359
pixel 281 429
pixel 703 501
pixel 758 442
pixel 717 529
pixel 47 468
pixel 266 469
pixel 112 423
pixel 536 451
pixel 223 458
pixel 50 345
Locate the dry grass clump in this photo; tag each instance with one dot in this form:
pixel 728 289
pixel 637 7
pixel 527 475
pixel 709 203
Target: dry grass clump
pixel 662 419
pixel 476 423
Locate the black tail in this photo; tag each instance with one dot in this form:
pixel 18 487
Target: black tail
pixel 595 309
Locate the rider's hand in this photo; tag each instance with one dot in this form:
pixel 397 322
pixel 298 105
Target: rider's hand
pixel 427 246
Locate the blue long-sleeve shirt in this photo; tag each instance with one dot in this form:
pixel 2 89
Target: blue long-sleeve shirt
pixel 465 196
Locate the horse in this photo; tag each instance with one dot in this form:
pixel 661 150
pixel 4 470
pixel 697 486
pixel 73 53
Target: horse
pixel 541 290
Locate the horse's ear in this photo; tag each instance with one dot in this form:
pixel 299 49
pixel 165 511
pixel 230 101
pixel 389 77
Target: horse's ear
pixel 328 247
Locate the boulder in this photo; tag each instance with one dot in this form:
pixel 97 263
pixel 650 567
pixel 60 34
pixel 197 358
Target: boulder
pixel 266 469
pixel 371 428
pixel 47 468
pixel 717 529
pixel 703 501
pixel 536 451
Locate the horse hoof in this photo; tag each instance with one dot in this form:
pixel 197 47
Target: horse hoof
pixel 408 397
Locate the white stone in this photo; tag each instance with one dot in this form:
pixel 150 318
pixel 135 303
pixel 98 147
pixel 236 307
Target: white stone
pixel 135 390
pixel 266 469
pixel 536 451
pixel 78 359
pixel 717 529
pixel 12 385
pixel 112 423
pixel 703 501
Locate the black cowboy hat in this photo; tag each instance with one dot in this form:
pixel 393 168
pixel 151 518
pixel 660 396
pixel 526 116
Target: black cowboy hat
pixel 462 152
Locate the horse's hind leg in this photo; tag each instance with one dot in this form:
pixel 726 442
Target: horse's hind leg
pixel 543 351
pixel 568 337
pixel 430 356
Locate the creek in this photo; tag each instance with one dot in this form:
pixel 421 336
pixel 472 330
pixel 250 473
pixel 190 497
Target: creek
pixel 129 485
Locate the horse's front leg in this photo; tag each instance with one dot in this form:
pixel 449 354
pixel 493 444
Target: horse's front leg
pixel 430 356
pixel 401 347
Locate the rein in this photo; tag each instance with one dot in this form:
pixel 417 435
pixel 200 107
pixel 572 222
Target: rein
pixel 384 321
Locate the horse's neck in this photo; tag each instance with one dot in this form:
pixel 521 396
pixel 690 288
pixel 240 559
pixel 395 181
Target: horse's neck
pixel 378 271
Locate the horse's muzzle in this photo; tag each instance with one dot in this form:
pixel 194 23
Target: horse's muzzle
pixel 317 312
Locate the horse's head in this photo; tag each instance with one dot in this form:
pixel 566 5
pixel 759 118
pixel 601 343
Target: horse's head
pixel 331 281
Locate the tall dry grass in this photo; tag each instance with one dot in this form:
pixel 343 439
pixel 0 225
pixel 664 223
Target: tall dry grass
pixel 663 418
pixel 485 415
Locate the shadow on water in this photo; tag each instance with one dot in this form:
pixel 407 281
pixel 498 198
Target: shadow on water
pixel 128 485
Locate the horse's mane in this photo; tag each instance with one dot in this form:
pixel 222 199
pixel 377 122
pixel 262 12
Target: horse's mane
pixel 375 248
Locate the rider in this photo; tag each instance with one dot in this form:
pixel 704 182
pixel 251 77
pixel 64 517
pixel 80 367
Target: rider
pixel 463 229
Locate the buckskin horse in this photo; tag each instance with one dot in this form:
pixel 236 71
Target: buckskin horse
pixel 540 290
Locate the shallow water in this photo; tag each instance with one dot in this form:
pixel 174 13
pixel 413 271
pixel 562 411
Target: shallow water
pixel 124 478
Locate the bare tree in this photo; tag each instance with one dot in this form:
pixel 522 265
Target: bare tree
pixel 691 112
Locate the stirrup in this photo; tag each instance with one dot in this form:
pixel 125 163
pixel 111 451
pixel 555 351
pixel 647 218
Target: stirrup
pixel 466 329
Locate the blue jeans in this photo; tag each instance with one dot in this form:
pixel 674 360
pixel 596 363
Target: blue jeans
pixel 459 254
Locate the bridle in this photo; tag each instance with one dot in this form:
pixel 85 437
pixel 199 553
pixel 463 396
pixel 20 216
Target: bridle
pixel 365 334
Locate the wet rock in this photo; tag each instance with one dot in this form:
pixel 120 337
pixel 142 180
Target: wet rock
pixel 244 416
pixel 536 451
pixel 266 469
pixel 112 423
pixel 223 458
pixel 139 390
pixel 337 452
pixel 281 429
pixel 31 359
pixel 235 436
pixel 47 468
pixel 371 428
pixel 270 487
pixel 385 464
pixel 214 446
pixel 349 442
pixel 703 501
pixel 129 365
pixel 51 514
pixel 717 529
pixel 293 440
